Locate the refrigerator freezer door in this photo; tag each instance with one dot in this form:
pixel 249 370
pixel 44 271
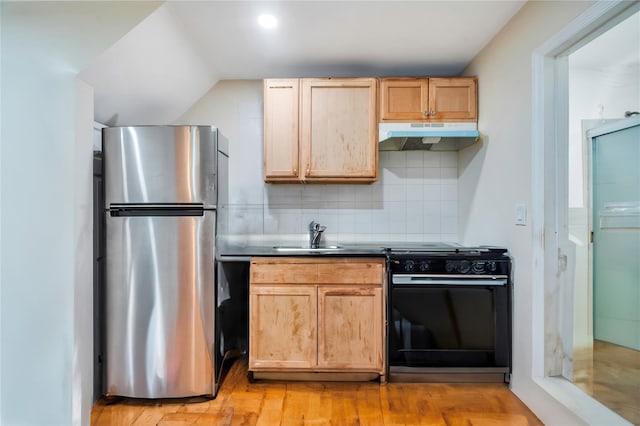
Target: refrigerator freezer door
pixel 159 305
pixel 160 164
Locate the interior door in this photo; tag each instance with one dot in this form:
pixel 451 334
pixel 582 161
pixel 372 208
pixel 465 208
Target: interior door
pixel 616 231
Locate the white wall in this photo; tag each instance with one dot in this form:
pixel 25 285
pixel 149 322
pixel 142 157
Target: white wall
pixel 151 75
pixel 498 175
pixel 82 378
pixel 45 202
pixel 596 94
pixel 415 199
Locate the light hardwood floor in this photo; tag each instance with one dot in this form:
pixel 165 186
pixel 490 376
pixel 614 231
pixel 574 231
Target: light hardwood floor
pixel 325 403
pixel 611 374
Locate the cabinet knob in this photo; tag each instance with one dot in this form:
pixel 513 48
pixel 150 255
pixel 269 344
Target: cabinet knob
pixel 433 113
pixel 295 171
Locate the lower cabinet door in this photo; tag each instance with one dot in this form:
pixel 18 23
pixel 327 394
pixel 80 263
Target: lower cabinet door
pixel 282 330
pixel 350 328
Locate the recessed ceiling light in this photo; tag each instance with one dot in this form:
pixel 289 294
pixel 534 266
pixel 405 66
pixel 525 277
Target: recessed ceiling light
pixel 267 21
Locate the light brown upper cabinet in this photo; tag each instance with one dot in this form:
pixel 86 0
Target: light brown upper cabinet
pixel 429 99
pixel 281 130
pixel 320 130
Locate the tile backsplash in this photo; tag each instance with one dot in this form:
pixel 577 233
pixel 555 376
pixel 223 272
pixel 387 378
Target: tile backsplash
pixel 414 199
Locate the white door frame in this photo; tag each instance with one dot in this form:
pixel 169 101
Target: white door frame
pixel 552 315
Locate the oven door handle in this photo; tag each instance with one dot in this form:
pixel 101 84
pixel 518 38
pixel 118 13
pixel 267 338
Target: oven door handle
pixel 468 280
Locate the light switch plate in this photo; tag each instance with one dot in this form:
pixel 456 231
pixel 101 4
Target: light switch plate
pixel 520 214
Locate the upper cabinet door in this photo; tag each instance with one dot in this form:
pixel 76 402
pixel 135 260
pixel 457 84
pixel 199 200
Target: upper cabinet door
pixel 404 98
pixel 429 99
pixel 281 132
pixel 453 99
pixel 339 129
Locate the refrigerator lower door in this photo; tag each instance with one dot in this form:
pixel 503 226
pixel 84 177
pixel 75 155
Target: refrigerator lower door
pixel 160 305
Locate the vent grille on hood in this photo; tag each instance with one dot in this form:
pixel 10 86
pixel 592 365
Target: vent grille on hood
pixel 427 136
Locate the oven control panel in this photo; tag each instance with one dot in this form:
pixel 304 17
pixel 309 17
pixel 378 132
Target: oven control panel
pixel 470 266
pixel 410 265
pixel 453 264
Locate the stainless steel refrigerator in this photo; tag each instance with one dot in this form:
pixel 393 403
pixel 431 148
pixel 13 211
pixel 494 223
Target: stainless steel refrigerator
pixel 161 198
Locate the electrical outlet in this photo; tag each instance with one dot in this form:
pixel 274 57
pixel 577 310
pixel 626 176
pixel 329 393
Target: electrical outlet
pixel 520 214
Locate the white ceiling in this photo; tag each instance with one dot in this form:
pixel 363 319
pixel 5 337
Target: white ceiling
pixel 342 38
pixel 179 52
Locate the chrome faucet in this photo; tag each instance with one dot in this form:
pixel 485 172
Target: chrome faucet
pixel 315 233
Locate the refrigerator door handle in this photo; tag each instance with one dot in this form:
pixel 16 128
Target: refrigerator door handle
pixel 136 210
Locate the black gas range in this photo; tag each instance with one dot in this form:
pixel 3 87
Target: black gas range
pixel 449 313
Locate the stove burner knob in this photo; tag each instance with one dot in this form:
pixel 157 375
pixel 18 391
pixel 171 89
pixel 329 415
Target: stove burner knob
pixel 409 265
pixel 450 266
pixel 465 267
pixel 424 266
pixel 478 267
pixel 483 266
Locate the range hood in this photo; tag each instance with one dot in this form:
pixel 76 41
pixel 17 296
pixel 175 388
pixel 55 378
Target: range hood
pixel 426 136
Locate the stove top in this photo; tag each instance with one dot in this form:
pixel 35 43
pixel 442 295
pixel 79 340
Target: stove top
pixel 443 248
pixel 436 246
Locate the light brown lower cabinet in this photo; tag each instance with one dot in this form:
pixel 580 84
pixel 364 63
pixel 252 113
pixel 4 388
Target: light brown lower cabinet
pixel 317 315
pixel 350 328
pixel 282 326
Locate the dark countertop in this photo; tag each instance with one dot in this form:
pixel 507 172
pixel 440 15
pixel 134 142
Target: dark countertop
pixel 229 250
pixel 241 249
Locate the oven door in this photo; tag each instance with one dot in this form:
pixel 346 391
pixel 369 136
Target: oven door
pixel 449 321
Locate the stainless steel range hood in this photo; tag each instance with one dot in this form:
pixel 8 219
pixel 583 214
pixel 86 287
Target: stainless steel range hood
pixel 426 136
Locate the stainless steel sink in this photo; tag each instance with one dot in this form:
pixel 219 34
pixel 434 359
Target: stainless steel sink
pixel 303 249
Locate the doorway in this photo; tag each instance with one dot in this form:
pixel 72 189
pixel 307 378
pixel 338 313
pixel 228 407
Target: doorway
pixel 603 199
pixel 555 251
